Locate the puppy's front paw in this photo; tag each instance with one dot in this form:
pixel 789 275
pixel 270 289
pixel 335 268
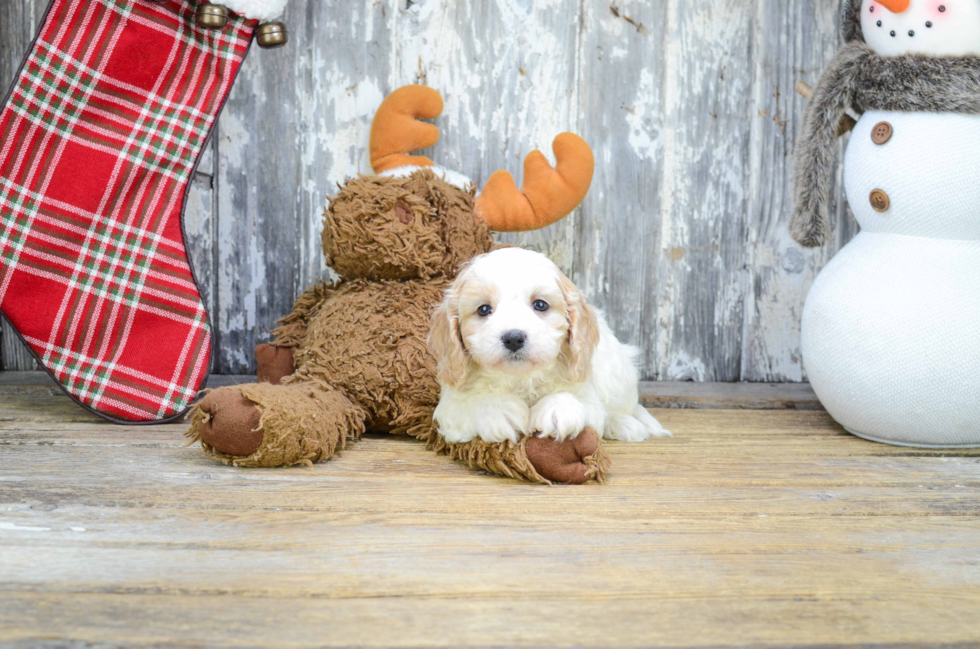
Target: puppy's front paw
pixel 492 419
pixel 503 420
pixel 560 415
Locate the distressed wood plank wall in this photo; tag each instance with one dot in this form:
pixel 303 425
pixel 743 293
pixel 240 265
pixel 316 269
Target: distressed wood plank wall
pixel 687 103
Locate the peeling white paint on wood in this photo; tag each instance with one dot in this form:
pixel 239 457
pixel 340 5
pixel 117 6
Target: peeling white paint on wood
pixel 18 23
pixel 688 106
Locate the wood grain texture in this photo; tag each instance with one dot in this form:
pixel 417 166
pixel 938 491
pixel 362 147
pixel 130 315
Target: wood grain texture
pixel 688 106
pixel 296 124
pixel 653 394
pixel 728 396
pixel 200 225
pixel 747 528
pixel 617 251
pixel 779 272
pixel 508 74
pixel 18 24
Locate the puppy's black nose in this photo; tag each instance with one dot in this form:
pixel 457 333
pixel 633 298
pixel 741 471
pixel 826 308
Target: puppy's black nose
pixel 513 340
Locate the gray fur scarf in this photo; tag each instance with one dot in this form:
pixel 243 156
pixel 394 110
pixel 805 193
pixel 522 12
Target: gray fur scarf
pixel 860 79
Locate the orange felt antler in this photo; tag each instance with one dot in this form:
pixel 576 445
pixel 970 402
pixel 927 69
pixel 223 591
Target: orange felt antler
pixel 396 130
pixel 549 194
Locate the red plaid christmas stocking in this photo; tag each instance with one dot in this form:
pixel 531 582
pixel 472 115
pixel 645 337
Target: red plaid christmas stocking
pixel 99 138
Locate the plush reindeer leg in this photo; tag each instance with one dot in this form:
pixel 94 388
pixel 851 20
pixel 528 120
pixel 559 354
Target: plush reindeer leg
pixel 572 461
pixel 264 425
pixel 277 360
pixel 274 363
pixel 544 460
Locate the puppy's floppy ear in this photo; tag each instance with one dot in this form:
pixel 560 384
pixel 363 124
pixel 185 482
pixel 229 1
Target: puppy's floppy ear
pixel 446 343
pixel 583 330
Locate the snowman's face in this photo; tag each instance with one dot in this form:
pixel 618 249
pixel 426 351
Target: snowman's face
pixel 936 27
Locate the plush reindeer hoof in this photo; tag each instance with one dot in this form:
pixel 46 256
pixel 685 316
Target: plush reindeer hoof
pixel 274 363
pixel 231 423
pixel 211 16
pixel 271 35
pixel 563 461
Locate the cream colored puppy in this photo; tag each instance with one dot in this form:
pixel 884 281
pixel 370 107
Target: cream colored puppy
pixel 519 352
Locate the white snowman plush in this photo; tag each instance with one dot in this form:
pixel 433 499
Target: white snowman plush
pixel 891 327
pixel 262 10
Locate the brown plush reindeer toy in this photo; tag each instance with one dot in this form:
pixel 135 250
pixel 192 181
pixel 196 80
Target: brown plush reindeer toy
pixel 352 356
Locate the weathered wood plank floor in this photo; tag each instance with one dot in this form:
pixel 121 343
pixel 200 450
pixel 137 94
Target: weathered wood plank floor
pixel 750 527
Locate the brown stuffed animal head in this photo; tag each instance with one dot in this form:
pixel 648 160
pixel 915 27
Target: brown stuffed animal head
pixel 399 228
pixel 417 220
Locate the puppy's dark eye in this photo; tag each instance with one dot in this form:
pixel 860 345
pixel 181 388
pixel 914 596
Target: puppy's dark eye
pixel 484 310
pixel 540 305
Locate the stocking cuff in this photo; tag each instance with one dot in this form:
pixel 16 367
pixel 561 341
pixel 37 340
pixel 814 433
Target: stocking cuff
pixel 261 10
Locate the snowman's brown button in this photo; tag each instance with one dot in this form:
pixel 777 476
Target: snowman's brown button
pixel 881 133
pixel 880 201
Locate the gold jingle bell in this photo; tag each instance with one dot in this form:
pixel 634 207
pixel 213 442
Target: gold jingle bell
pixel 211 16
pixel 271 35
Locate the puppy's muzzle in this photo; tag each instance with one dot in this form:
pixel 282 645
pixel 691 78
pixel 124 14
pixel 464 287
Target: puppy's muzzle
pixel 513 340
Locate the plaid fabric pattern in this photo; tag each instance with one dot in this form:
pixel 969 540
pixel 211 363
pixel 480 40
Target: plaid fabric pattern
pixel 98 141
